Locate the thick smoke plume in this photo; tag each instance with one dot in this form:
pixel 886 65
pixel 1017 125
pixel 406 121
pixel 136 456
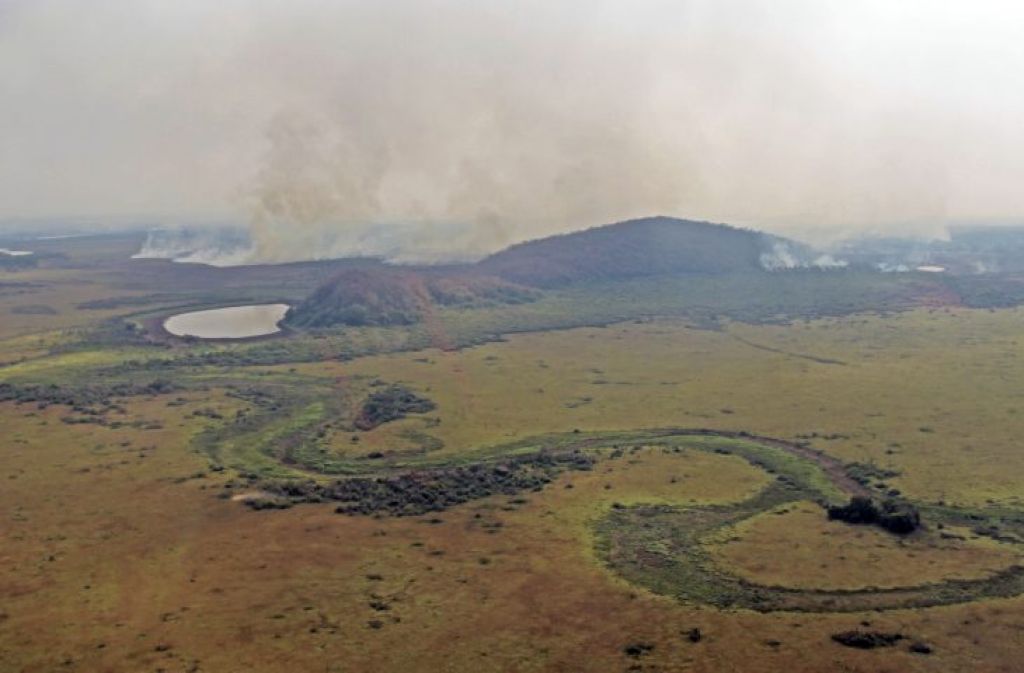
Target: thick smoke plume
pixel 489 127
pixel 426 130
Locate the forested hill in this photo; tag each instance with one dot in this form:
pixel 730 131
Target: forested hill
pixel 389 295
pixel 397 296
pixel 643 247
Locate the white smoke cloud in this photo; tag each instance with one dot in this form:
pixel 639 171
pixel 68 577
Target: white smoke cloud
pixel 398 243
pixel 476 124
pixel 979 267
pixel 828 262
pixel 780 256
pixel 216 246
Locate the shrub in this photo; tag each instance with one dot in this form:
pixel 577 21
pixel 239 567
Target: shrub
pixel 867 640
pixel 893 515
pixel 390 404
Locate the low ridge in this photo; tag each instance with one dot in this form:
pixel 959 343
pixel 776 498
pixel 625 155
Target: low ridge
pixel 389 295
pixel 642 247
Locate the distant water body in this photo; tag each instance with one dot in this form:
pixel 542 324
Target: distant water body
pixel 234 322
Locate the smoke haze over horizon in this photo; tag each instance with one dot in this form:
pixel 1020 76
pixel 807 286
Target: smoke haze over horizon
pixel 479 124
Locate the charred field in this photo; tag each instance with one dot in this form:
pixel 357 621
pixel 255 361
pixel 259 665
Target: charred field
pixel 601 472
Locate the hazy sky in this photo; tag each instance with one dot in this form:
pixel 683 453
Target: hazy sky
pixel 519 117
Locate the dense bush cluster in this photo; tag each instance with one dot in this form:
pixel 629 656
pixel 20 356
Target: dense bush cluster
pixel 81 396
pixel 892 515
pixel 390 404
pixel 867 640
pixel 426 491
pixel 867 473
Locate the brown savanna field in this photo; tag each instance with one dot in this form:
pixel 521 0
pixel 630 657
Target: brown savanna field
pixel 122 551
pixel 448 336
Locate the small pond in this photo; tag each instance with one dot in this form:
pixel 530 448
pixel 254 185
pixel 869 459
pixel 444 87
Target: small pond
pixel 233 322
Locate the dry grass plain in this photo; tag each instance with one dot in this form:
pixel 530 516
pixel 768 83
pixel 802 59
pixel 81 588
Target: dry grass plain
pixel 118 555
pixel 795 546
pixel 933 394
